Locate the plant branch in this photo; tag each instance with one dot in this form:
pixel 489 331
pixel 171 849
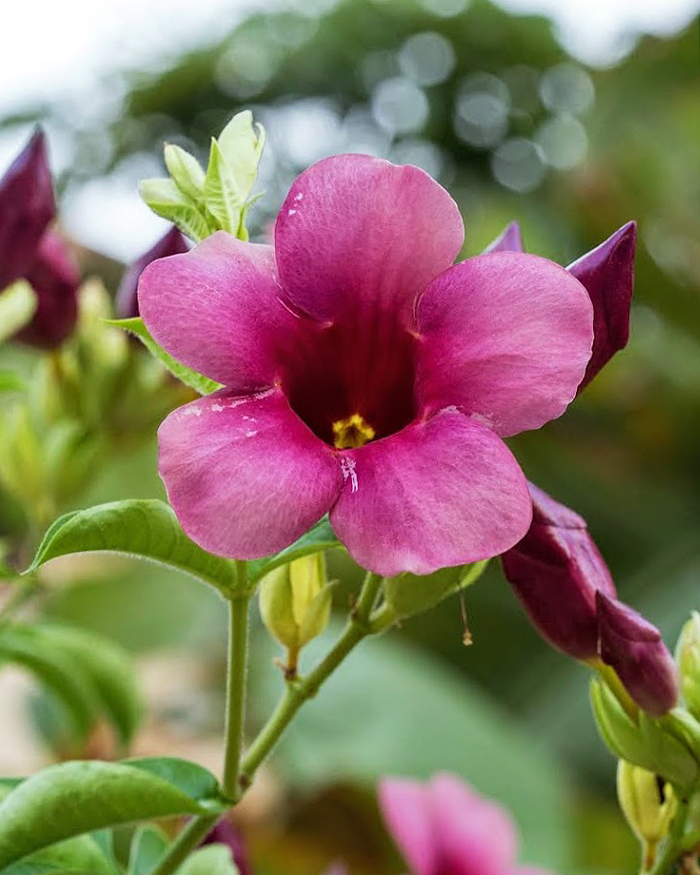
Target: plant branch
pixel 238 606
pixel 187 841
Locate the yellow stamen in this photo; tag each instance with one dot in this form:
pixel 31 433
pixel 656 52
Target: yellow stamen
pixel 352 432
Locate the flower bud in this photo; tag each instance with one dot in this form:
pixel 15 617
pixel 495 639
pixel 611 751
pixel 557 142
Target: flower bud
pixel 635 649
pixel 688 659
pixel 55 279
pixel 509 240
pixel 27 205
pixel 648 805
pixel 295 602
pixel 555 572
pixel 127 305
pixel 607 272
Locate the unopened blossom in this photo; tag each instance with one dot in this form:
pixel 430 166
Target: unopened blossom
pixel 443 827
pixel 171 243
pixel 636 650
pixel 607 273
pixel 31 250
pixel 365 374
pixel 565 587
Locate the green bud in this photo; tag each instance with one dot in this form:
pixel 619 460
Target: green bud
pixel 646 742
pixel 648 807
pixel 410 594
pixel 688 659
pixel 295 603
pixel 17 305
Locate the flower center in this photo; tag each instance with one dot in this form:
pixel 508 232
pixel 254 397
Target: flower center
pixel 352 432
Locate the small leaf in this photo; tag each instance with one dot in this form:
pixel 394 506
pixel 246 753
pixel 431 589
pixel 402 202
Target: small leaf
pixel 320 537
pixel 81 855
pixel 108 666
pixel 410 594
pixel 222 196
pixel 147 847
pixel 17 306
pixel 241 143
pixel 25 646
pixel 185 170
pixel 74 798
pixel 190 378
pixel 166 200
pixel 212 860
pixel 142 528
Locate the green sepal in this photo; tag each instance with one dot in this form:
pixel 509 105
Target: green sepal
pixel 201 384
pixel 75 798
pixel 410 594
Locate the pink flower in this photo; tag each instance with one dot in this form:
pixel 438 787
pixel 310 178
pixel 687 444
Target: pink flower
pixel 444 828
pixel 366 375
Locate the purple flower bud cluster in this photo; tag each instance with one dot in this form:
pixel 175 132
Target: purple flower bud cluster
pixel 30 249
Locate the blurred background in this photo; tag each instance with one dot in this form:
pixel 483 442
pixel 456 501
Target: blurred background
pixel 571 118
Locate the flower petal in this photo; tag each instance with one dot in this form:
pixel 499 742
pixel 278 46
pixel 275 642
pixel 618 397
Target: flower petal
pixel 217 310
pixel 476 836
pixel 506 337
pixel 509 240
pixel 607 272
pixel 407 809
pixel 440 492
pixel 244 475
pixel 361 235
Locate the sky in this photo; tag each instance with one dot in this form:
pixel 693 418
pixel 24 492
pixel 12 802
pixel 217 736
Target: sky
pixel 56 51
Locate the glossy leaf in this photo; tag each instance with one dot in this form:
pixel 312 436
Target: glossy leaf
pixel 142 528
pixel 36 815
pixel 213 860
pixel 186 375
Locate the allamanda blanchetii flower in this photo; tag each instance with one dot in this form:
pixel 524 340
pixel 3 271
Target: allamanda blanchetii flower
pixel 365 374
pixel 443 827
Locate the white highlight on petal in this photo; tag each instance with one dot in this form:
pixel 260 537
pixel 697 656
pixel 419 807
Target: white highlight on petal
pixel 347 467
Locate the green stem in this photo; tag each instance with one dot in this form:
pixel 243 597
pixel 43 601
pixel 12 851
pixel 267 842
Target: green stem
pixel 236 686
pixel 189 839
pixel 300 690
pixel 673 845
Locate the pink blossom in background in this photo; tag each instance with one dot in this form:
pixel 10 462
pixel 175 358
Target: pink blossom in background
pixel 366 375
pixel 443 827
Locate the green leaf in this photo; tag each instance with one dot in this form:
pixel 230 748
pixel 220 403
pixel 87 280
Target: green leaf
pixel 109 667
pixel 165 199
pixel 320 537
pixel 185 170
pixel 186 375
pixel 411 594
pixel 241 144
pixel 142 528
pixel 212 860
pixel 222 196
pixel 55 668
pixel 81 855
pixel 17 306
pixel 74 798
pixel 147 847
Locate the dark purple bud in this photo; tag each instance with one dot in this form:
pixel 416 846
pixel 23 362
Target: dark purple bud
pixel 54 277
pixel 607 272
pixel 556 571
pixel 225 833
pixel 635 649
pixel 510 240
pixel 27 205
pixel 127 305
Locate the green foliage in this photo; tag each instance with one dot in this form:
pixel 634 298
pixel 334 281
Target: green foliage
pixel 190 378
pixel 74 798
pixel 213 860
pixel 78 856
pixel 147 847
pixel 147 529
pixel 411 594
